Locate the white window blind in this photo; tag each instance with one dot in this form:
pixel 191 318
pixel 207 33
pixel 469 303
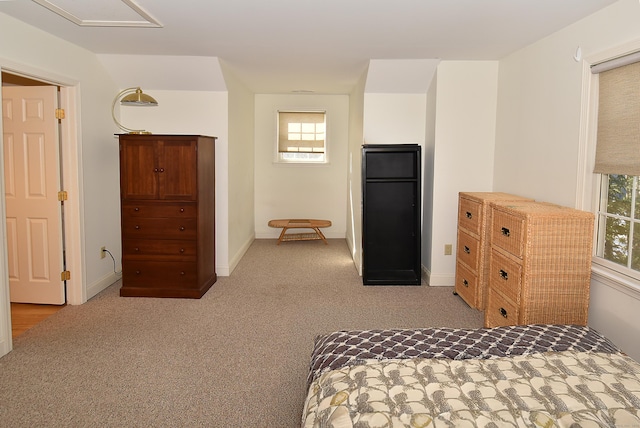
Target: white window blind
pixel 301 132
pixel 618 138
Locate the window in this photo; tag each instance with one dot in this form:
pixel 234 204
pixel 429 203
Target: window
pixel 302 136
pixel 619 222
pixel 618 162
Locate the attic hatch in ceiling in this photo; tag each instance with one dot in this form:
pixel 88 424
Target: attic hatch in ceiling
pixel 101 13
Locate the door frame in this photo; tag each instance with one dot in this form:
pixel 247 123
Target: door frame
pixel 70 157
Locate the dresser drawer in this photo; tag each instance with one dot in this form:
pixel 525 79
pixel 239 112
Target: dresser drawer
pixel 499 311
pixel 159 228
pixel 470 215
pixel 152 273
pixel 505 275
pixel 163 249
pixel 148 209
pixel 468 250
pixel 507 232
pixel 466 284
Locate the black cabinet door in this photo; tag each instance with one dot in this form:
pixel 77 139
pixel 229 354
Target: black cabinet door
pixel 391 214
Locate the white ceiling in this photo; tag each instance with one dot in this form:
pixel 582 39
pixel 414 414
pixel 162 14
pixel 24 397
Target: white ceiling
pixel 324 46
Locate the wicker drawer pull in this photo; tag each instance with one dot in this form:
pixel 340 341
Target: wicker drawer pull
pixel 469 215
pixel 465 283
pixel 503 274
pixel 467 250
pixel 505 231
pixel 503 312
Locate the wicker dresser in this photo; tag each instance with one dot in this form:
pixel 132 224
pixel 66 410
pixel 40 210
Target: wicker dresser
pixel 540 264
pixel 472 260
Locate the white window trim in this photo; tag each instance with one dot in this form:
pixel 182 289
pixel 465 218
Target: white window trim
pixel 277 159
pixel 588 184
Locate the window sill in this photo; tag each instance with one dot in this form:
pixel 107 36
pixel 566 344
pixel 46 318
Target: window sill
pixel 616 280
pixel 302 164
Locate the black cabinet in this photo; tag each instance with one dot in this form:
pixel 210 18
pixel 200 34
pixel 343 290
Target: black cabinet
pixel 391 214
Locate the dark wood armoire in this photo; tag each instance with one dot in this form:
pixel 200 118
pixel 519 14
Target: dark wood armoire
pixel 167 188
pixel 391 207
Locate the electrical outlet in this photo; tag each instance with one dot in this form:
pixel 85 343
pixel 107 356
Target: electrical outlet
pixel 103 252
pixel 448 249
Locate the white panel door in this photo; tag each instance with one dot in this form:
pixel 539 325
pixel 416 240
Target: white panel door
pixel 32 181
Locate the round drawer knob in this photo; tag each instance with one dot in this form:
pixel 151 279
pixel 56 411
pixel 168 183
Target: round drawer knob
pixel 136 249
pixel 137 272
pixel 182 228
pixel 136 209
pixel 182 250
pixel 182 273
pixel 137 227
pixel 181 210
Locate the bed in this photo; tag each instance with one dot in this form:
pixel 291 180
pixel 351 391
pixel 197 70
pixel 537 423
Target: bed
pixel 533 375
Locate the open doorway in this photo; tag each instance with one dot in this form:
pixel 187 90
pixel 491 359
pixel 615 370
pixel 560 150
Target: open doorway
pixel 27 315
pixel 69 163
pixel 34 212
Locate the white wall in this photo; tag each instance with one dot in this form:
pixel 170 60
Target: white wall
pixel 195 113
pixel 192 99
pixel 354 188
pixel 37 54
pixel 465 112
pixel 394 118
pixel 428 203
pixel 301 191
pixel 540 140
pixel 241 168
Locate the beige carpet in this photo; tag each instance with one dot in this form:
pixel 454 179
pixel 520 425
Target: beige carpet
pixel 238 357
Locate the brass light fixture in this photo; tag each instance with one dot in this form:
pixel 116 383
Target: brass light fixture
pixel 132 97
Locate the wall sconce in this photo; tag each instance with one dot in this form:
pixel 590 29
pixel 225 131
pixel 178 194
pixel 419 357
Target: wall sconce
pixel 132 97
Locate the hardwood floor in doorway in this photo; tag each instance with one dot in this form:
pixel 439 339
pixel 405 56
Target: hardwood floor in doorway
pixel 26 315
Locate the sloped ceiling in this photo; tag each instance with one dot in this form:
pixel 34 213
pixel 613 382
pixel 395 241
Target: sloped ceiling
pixel 280 46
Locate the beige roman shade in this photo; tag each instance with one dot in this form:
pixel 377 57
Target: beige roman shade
pixel 618 144
pixel 301 132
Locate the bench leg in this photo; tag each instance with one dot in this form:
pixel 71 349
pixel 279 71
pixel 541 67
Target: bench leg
pixel 317 229
pixel 284 229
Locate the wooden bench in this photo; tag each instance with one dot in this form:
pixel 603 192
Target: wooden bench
pixel 300 223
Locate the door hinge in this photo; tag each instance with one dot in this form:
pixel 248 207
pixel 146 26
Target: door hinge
pixel 65 276
pixel 62 195
pixel 59 113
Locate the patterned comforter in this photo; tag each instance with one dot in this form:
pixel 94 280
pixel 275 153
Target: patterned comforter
pixel 346 347
pixel 553 389
pixel 535 375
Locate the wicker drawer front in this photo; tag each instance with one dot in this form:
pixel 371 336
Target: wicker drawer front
pixel 141 209
pixel 505 275
pixel 150 274
pixel 166 249
pixel 159 228
pixel 468 250
pixel 466 284
pixel 470 215
pixel 499 311
pixel 507 232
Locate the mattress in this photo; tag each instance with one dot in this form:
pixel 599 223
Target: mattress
pixel 533 375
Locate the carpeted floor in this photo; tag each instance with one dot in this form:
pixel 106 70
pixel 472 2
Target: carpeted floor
pixel 238 357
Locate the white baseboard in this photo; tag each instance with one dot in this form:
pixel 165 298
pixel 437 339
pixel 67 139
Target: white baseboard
pixel 233 263
pixel 438 280
pixel 101 284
